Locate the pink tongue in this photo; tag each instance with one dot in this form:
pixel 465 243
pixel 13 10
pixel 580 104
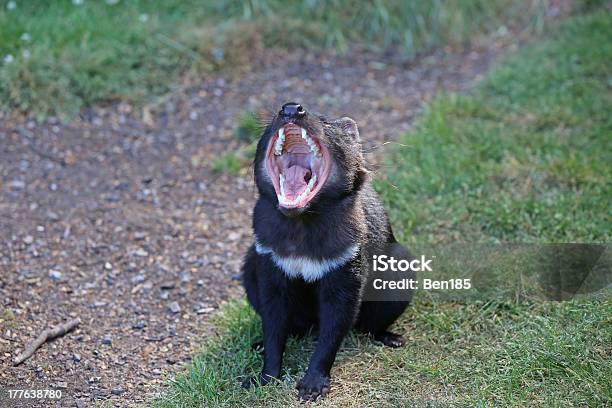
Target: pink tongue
pixel 294 181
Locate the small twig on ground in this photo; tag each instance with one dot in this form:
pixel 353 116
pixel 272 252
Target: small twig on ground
pixel 160 338
pixel 45 336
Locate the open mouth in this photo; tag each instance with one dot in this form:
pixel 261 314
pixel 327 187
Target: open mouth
pixel 298 165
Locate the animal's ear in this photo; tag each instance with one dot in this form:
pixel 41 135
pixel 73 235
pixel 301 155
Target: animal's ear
pixel 349 126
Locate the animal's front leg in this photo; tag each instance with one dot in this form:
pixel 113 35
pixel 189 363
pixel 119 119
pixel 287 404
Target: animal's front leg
pixel 274 313
pixel 338 304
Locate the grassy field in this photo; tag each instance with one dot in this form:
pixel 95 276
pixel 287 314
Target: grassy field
pixel 56 57
pixel 525 158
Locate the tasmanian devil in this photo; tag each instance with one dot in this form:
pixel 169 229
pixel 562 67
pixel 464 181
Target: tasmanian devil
pixel 318 222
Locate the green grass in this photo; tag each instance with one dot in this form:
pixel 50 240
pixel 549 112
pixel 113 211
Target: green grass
pixel 237 161
pixel 524 158
pixel 249 127
pixel 7 318
pixel 56 57
pixel 230 163
pixel 477 354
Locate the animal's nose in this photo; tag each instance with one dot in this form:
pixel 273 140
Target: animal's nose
pixel 292 110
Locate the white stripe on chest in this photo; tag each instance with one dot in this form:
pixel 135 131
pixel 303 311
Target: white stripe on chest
pixel 309 269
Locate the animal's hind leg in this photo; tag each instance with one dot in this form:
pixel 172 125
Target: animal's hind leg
pixel 375 317
pixel 390 339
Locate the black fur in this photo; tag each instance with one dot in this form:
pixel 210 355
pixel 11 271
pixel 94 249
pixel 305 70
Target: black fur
pixel 345 212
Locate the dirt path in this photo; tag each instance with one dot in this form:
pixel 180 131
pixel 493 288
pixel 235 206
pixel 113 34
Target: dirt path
pixel 119 220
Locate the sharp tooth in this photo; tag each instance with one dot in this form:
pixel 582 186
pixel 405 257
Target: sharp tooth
pixel 283 200
pixel 308 189
pixel 313 146
pixel 282 185
pixel 286 201
pixel 278 146
pixel 312 182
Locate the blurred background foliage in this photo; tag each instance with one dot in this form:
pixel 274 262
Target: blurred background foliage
pixel 56 57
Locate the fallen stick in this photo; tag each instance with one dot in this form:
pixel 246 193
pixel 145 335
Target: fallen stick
pixel 45 336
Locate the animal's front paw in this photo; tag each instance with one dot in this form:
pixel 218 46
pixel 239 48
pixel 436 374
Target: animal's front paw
pixel 312 386
pixel 255 381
